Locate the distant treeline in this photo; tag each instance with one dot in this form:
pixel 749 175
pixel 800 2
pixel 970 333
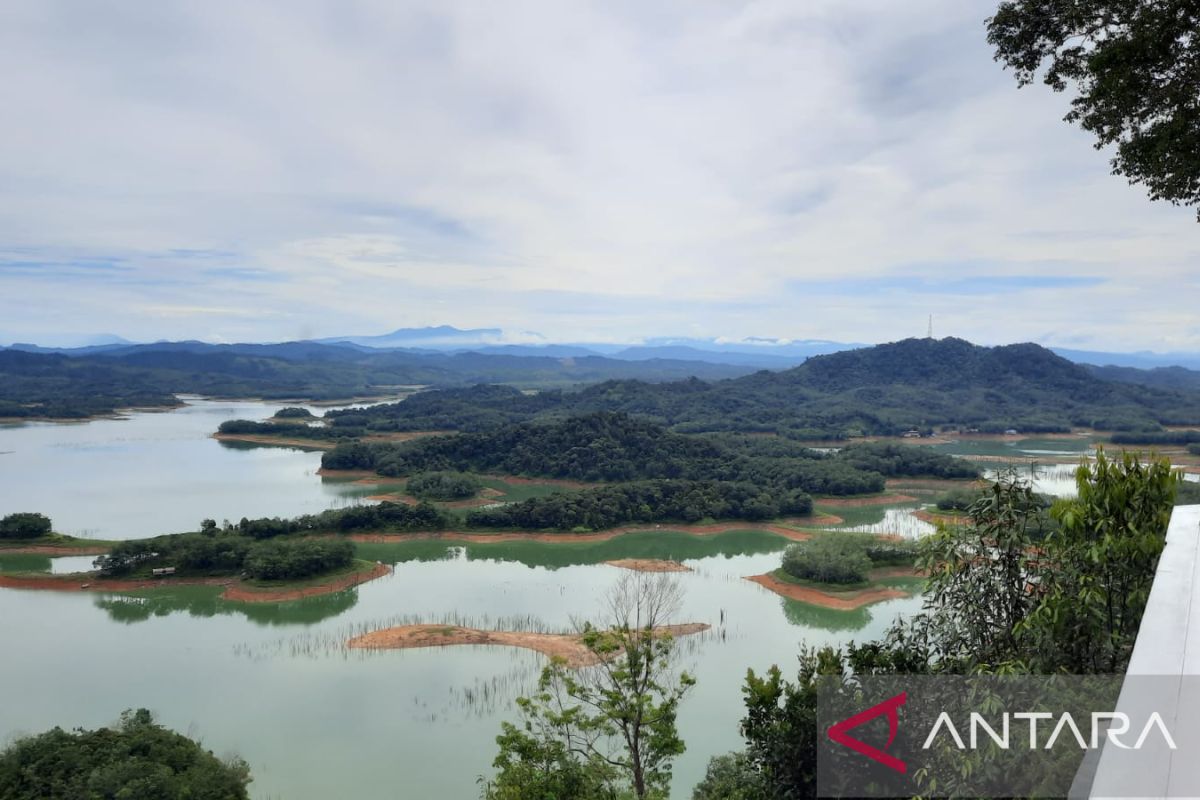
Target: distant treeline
pixel 645 501
pixel 607 446
pixel 1157 437
pixel 41 384
pixel 916 384
pixel 290 431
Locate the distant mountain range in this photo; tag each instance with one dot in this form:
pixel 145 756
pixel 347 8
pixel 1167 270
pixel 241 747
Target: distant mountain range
pixel 762 353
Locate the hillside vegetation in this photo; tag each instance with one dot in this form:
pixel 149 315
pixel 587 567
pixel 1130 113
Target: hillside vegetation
pixel 885 390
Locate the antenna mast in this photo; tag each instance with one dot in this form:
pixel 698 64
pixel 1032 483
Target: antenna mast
pixel 929 331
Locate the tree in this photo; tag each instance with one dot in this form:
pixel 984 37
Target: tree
pixel 24 526
pixel 136 758
pixel 1136 67
pixel 1095 576
pixel 611 725
pixel 730 777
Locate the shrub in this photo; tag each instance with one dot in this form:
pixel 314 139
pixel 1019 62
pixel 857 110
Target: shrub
pixel 282 559
pixel 24 526
pixel 831 558
pixel 443 485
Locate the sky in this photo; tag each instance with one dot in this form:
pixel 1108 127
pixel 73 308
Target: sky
pixel 565 170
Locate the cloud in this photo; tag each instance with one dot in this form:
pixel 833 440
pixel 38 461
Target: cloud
pixel 590 169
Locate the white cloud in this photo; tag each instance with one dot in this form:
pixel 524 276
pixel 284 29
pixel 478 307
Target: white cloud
pixel 581 169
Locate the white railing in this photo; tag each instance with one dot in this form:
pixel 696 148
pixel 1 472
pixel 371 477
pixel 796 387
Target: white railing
pixel 1166 656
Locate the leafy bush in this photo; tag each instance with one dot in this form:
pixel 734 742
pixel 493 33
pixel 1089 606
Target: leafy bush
pixel 958 499
pixel 293 412
pixel 284 559
pixel 443 485
pixel 136 759
pixel 831 558
pixel 24 525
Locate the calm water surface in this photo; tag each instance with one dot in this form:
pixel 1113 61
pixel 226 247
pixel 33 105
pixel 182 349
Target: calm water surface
pixel 158 472
pixel 273 683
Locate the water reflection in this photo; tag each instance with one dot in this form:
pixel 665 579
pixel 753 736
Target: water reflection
pixel 205 601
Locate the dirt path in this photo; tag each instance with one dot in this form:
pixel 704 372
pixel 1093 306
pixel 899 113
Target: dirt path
pixel 841 601
pixel 648 565
pixel 474 537
pixel 555 645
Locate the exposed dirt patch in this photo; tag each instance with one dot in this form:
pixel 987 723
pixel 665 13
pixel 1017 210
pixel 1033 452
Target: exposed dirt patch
pixel 555 645
pixel 856 502
pixel 249 594
pixel 840 601
pixel 649 565
pixel 879 573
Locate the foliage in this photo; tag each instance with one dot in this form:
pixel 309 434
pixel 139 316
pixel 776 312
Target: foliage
pixel 1187 493
pixel 293 412
pixel 289 559
pixel 1001 597
pixel 895 460
pixel 1157 437
pixel 731 777
pixel 290 431
pixel 613 724
pixel 443 485
pixel 24 525
pixel 226 552
pixel 606 446
pixel 1135 67
pixel 828 559
pixel 643 501
pixel 1095 577
pixel 136 759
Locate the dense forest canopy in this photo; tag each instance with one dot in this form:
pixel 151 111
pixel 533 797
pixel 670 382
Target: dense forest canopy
pixel 886 390
pixel 607 446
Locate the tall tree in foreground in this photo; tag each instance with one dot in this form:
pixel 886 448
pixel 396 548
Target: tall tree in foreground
pixel 135 759
pixel 607 730
pixel 1135 65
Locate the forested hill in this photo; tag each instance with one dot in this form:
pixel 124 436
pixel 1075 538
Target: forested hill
pixel 65 386
pixel 886 389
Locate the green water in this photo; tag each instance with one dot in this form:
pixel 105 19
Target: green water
pixel 273 683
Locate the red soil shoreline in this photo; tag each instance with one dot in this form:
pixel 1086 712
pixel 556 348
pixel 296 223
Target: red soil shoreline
pixel 847 601
pixel 235 590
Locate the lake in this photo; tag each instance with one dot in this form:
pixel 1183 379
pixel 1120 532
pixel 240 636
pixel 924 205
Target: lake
pixel 272 683
pixel 159 472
